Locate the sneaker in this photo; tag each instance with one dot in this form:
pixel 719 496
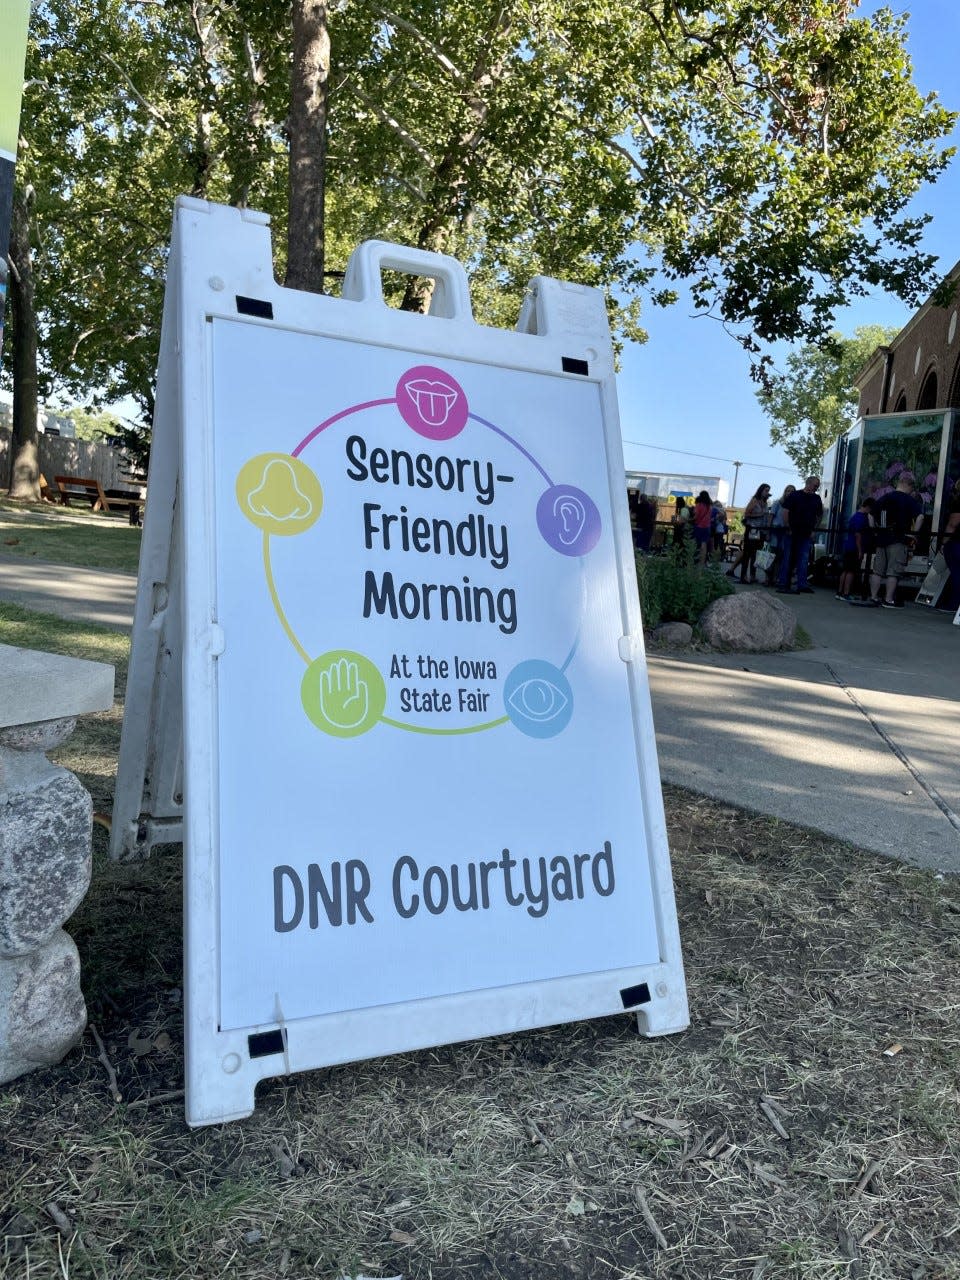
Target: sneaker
pixel 839 596
pixel 887 604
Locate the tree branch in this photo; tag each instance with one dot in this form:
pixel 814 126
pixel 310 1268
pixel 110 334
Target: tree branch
pixel 406 138
pixel 150 110
pixel 405 25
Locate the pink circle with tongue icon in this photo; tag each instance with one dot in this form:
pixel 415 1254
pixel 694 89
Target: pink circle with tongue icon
pixel 432 402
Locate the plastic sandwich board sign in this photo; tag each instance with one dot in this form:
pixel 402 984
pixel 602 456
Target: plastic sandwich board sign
pixel 392 550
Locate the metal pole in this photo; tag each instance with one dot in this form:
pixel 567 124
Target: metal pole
pixel 736 477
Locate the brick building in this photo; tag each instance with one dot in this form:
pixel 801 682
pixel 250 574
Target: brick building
pixel 909 421
pixel 920 369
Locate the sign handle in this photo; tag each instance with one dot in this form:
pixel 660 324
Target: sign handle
pixel 363 283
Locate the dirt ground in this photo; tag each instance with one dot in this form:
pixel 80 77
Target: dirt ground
pixel 805 1126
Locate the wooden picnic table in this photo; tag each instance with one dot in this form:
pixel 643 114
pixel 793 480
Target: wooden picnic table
pixel 89 489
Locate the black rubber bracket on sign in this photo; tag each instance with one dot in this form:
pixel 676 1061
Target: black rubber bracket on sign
pixel 632 996
pixel 570 364
pixel 265 1043
pixel 258 307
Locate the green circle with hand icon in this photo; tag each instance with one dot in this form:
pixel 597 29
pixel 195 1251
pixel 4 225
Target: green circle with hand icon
pixel 343 693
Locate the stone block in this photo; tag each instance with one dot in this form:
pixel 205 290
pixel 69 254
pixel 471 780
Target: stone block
pixel 39 736
pixel 46 823
pixel 47 686
pixel 42 1012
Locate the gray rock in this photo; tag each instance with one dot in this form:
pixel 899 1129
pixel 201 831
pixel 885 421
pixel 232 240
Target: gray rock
pixel 749 622
pixel 672 633
pixel 42 1013
pixel 46 823
pixel 43 735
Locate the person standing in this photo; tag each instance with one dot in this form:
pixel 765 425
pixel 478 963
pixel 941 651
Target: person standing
pixel 755 523
pixel 719 523
pixel 645 517
pixel 778 534
pixel 681 520
pixel 802 512
pixel 702 526
pixel 950 546
pixel 857 545
pixel 897 515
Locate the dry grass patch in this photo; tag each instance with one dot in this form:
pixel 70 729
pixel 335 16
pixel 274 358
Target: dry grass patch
pixel 776 1138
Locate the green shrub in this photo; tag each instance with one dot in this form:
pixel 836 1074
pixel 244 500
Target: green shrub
pixel 675 589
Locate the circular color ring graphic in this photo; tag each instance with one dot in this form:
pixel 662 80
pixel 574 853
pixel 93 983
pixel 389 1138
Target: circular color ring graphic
pixel 308 439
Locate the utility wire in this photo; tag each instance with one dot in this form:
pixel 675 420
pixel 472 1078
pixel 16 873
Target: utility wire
pixel 665 448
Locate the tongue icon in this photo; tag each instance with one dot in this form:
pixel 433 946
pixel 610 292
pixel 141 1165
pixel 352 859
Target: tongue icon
pixel 433 400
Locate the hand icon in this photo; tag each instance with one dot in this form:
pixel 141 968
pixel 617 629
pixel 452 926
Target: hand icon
pixel 344 696
pixel 343 693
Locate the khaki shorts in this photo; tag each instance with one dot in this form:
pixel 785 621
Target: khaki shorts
pixel 890 562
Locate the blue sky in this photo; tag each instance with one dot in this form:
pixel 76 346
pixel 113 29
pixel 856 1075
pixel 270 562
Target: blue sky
pixel 715 412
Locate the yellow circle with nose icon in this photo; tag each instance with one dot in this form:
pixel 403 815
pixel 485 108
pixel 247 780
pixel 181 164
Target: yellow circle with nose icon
pixel 279 493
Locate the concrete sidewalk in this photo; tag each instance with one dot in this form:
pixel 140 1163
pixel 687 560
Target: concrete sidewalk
pixel 85 595
pixel 858 737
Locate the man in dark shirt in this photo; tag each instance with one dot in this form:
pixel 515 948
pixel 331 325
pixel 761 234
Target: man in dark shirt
pixel 897 515
pixel 801 513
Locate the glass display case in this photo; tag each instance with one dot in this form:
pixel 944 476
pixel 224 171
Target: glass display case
pixel 869 459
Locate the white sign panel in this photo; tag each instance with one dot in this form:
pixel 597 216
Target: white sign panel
pixel 421 786
pixel 421 573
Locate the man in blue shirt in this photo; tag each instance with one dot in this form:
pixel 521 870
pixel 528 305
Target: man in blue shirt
pixel 897 515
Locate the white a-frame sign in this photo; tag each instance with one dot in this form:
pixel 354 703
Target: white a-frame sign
pixel 391 553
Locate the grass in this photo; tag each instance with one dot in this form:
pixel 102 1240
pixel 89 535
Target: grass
pixel 66 535
pixel 580 1152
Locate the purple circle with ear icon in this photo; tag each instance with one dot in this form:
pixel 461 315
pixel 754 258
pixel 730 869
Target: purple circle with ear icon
pixel 569 520
pixel 432 402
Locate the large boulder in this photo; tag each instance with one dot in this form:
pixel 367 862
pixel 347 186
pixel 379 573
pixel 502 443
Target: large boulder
pixel 45 849
pixel 749 622
pixel 42 1012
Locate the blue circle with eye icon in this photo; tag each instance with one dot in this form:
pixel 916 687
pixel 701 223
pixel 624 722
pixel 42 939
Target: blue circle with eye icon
pixel 538 699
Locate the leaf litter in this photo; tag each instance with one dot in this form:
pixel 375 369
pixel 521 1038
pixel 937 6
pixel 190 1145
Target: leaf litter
pixel 774 1138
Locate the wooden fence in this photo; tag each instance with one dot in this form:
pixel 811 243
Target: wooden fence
pixel 60 455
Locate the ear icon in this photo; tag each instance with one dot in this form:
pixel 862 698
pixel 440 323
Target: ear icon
pixel 571 516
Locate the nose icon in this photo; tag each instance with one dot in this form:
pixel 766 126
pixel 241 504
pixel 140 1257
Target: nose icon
pixel 279 493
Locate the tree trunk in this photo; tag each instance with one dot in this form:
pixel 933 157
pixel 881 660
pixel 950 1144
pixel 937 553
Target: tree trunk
pixel 25 468
pixel 445 201
pixel 309 77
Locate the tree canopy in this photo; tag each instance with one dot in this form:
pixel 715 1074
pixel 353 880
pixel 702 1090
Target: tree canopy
pixel 762 152
pixel 814 401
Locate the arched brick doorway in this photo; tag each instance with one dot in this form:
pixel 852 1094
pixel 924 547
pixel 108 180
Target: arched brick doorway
pixel 928 392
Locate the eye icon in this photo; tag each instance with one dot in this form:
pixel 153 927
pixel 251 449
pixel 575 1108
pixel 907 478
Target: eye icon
pixel 538 700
